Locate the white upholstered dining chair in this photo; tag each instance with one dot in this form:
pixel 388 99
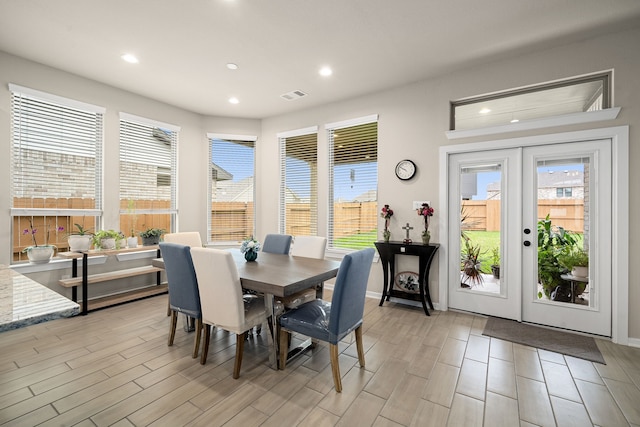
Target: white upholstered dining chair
pixel 222 301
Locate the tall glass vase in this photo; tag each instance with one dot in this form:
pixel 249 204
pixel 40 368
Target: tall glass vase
pixel 426 237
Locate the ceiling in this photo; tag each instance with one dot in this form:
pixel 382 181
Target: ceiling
pixel 279 45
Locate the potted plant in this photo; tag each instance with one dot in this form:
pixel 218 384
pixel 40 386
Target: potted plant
pixel 39 254
pixel 495 262
pixel 80 239
pixel 552 241
pixel 470 264
pixel 575 260
pixel 250 248
pixel 151 236
pixel 108 239
pixel 386 213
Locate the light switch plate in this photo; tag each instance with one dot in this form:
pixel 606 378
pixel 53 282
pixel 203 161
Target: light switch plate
pixel 418 205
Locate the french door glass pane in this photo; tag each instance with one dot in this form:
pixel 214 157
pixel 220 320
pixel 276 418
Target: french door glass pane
pixel 563 230
pixel 480 191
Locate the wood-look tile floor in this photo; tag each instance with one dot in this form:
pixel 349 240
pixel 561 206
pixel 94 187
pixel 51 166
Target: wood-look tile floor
pixel 113 367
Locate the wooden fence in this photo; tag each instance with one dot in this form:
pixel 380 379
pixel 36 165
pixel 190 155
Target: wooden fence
pixel 485 214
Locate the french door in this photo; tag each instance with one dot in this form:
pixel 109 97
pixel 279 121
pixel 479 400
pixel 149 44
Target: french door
pixel 528 212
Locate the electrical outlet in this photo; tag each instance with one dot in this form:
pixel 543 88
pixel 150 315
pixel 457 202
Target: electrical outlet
pixel 418 205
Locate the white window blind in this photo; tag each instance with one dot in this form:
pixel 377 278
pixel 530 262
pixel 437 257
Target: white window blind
pixel 147 174
pixel 56 166
pixel 231 194
pixel 299 182
pixel 353 180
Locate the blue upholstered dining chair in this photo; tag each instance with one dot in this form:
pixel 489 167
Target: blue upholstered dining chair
pixel 183 288
pixel 222 300
pixel 332 321
pixel 277 243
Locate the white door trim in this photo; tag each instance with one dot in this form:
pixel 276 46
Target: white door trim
pixel 619 136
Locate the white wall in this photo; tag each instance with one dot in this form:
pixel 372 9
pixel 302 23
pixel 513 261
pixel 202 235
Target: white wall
pixel 413 120
pixel 412 124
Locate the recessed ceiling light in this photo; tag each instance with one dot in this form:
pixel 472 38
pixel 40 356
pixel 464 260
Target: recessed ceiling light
pixel 232 66
pixel 485 111
pixel 130 58
pixel 325 71
pixel 234 100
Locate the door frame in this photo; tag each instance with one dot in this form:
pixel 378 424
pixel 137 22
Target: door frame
pixel 619 137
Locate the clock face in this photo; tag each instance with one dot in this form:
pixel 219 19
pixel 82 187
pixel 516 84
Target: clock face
pixel 405 169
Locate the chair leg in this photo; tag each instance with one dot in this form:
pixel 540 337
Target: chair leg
pixel 205 349
pixel 239 351
pixel 359 345
pixel 335 367
pixel 172 326
pixel 284 347
pixel 196 347
pixel 168 306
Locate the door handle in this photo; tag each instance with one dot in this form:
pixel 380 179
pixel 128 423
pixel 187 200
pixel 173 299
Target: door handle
pixel 527 243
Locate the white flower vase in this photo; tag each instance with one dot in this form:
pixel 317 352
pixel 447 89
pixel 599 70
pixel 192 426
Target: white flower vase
pixel 40 254
pixel 578 271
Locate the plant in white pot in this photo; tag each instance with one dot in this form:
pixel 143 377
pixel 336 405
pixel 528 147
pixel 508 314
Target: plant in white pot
pixel 80 239
pixel 576 260
pixel 39 254
pixel 108 239
pixel 151 236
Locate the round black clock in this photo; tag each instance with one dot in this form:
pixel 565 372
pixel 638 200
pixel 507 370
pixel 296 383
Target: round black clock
pixel 405 169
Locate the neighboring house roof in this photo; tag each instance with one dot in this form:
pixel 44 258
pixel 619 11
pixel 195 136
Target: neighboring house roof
pixel 242 191
pixel 219 173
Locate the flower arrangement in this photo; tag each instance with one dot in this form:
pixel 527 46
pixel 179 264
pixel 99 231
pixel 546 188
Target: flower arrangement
pixel 427 212
pixel 32 231
pixel 250 248
pixel 386 213
pixel 250 244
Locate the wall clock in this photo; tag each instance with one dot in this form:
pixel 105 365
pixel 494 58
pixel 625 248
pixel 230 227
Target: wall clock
pixel 405 169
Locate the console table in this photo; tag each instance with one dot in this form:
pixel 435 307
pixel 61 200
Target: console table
pixel 388 252
pixel 86 279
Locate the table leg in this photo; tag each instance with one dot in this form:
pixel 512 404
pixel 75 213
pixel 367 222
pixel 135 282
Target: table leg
pixel 85 283
pixel 269 306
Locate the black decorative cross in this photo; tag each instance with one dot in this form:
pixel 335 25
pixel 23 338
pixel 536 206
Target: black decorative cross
pixel 407 227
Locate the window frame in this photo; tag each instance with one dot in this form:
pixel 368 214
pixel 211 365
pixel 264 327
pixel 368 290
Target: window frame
pixel 330 129
pixel 282 202
pixel 172 210
pixel 57 107
pixel 226 137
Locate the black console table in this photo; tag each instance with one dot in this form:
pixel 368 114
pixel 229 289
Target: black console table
pixel 388 252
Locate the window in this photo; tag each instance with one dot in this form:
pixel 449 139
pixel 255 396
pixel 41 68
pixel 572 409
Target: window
pixel 575 95
pixel 231 194
pixel 563 192
pixel 56 167
pixel 353 178
pixel 147 174
pixel 299 183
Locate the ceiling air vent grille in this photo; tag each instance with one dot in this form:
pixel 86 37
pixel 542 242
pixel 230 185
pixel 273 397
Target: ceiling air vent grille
pixel 293 95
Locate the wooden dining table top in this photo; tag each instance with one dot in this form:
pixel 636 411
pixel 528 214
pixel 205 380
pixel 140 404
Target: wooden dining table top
pixel 281 275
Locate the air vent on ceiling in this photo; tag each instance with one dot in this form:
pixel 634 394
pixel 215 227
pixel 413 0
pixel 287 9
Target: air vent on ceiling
pixel 293 95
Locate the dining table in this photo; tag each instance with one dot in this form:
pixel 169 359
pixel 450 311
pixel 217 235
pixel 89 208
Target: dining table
pixel 278 276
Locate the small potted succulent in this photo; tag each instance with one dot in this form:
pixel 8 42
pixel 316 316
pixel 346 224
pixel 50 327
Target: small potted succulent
pixel 80 239
pixel 151 236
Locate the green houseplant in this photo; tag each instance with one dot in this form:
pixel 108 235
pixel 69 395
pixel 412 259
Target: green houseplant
pixel 80 239
pixel 495 262
pixel 576 260
pixel 107 239
pixel 553 240
pixel 151 236
pixel 470 264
